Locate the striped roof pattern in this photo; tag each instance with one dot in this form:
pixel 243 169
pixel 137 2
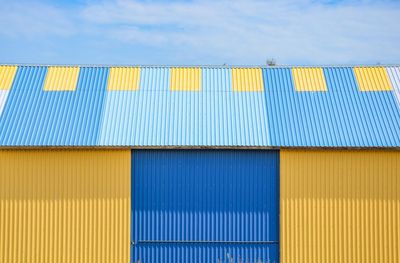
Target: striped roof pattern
pixel 199 106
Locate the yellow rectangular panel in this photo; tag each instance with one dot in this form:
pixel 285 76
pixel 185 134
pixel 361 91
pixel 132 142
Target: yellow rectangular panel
pixel 309 79
pixel 124 78
pixel 185 79
pixel 7 74
pixel 247 79
pixel 61 79
pixel 372 79
pixel 340 206
pixel 65 206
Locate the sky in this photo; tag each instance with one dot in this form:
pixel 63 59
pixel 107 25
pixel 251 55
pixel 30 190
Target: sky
pixel 207 32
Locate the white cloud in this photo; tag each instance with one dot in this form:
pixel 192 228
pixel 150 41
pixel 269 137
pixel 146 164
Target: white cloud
pixel 32 20
pixel 232 31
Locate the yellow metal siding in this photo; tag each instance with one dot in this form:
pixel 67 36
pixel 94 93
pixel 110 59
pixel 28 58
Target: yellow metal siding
pixel 7 74
pixel 340 206
pixel 61 79
pixel 247 79
pixel 124 78
pixel 64 206
pixel 185 79
pixel 372 79
pixel 309 79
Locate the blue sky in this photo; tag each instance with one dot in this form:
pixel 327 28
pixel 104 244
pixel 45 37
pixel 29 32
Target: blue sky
pixel 235 32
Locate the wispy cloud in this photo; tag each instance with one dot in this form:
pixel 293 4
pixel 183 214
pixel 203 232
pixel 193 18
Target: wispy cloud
pixel 32 19
pixel 236 32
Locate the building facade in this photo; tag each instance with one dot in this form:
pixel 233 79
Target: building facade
pixel 199 164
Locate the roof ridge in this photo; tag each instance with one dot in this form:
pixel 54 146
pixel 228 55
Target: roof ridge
pixel 197 66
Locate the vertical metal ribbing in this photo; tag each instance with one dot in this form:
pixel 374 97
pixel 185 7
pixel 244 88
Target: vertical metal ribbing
pixel 64 206
pixel 340 206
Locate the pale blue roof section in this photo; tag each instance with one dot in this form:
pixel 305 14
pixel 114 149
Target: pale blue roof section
pixel 394 75
pixel 340 117
pixel 156 116
pixel 3 99
pixel 154 79
pixel 217 80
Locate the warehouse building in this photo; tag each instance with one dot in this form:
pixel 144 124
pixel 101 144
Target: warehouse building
pixel 199 164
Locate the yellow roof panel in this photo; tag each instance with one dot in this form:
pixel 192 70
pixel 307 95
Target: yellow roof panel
pixel 61 79
pixel 372 79
pixel 124 78
pixel 247 79
pixel 309 79
pixel 185 79
pixel 7 74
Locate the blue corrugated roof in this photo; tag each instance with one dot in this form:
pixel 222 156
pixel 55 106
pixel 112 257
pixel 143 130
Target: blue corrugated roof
pixel 341 117
pixel 153 115
pixel 33 117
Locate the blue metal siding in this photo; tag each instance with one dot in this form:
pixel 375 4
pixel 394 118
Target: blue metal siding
pixel 341 116
pixel 36 117
pixel 204 253
pixel 205 196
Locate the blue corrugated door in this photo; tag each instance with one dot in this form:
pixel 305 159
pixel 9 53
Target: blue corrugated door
pixel 205 206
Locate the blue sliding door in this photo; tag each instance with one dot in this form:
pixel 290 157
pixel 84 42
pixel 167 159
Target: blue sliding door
pixel 205 206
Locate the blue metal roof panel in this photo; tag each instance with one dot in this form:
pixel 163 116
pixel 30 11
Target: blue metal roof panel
pixel 340 117
pixel 33 117
pixel 156 116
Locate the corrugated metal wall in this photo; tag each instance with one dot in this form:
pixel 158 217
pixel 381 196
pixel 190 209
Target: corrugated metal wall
pixel 200 206
pixel 64 206
pixel 340 206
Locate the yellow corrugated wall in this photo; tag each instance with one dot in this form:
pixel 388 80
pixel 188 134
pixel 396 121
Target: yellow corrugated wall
pixel 340 206
pixel 64 206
